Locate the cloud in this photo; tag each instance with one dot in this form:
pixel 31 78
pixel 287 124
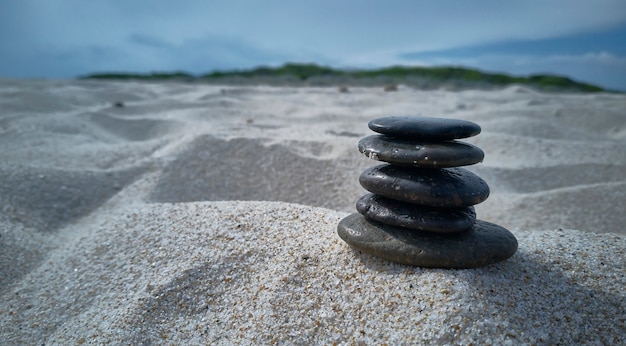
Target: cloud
pixel 573 45
pixel 148 41
pixel 139 53
pixel 199 55
pixel 340 26
pixel 604 58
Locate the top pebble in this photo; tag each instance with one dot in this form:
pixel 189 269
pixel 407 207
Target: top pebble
pixel 424 128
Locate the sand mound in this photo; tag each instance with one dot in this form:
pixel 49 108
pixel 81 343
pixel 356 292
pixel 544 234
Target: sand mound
pixel 232 272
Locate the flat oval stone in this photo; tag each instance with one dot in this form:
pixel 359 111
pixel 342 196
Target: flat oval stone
pixel 415 217
pixel 418 153
pixel 445 187
pixel 424 128
pixel 483 244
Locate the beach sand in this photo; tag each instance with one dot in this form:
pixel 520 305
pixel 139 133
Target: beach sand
pixel 207 214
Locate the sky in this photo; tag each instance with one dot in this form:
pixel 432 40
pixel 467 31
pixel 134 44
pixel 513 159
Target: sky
pixel 584 40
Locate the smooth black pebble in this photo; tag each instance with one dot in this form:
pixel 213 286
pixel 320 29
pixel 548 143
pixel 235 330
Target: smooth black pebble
pixel 415 217
pixel 418 153
pixel 483 244
pixel 445 187
pixel 424 128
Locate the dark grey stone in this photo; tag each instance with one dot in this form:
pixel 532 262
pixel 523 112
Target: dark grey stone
pixel 483 244
pixel 445 187
pixel 402 214
pixel 419 153
pixel 424 128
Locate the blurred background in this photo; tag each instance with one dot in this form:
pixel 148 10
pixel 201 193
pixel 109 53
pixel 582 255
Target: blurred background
pixel 584 40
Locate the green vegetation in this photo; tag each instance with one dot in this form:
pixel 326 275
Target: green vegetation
pixel 137 76
pixel 548 81
pixel 312 74
pixel 301 72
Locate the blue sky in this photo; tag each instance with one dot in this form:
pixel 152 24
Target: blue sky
pixel 585 40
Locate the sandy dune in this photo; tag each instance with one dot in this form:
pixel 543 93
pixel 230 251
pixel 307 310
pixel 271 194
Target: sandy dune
pixel 203 213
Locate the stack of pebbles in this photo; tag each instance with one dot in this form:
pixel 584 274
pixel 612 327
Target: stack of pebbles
pixel 420 211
